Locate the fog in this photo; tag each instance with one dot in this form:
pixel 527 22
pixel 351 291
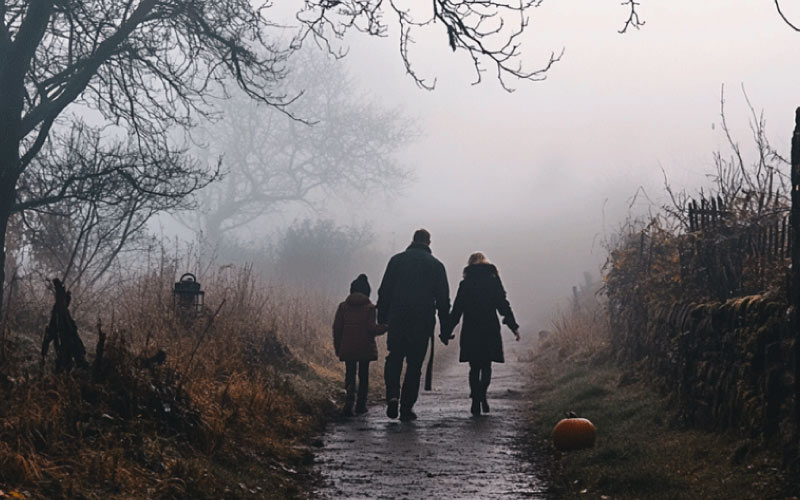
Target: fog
pixel 539 177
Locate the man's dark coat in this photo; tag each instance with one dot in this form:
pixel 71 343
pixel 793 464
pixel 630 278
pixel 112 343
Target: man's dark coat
pixel 413 289
pixel 480 296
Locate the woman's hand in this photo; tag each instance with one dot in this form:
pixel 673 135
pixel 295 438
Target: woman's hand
pixel 516 335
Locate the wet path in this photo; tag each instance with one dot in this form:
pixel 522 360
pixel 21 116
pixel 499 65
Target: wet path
pixel 446 453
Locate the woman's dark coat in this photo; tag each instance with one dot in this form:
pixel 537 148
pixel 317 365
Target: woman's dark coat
pixel 354 329
pixel 480 297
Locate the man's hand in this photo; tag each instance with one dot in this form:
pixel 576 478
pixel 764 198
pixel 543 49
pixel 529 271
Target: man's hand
pixel 516 335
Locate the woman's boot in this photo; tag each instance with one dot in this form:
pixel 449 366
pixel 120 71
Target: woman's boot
pixel 476 407
pixel 486 378
pixel 484 404
pixel 475 389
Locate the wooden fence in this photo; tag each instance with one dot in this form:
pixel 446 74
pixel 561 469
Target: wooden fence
pixel 732 256
pixel 709 214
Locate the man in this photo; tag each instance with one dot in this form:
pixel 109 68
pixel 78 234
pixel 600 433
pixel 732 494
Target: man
pixel 413 289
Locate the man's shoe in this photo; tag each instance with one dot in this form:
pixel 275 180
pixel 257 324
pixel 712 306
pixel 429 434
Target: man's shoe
pixel 484 405
pixel 391 408
pixel 476 407
pixel 407 416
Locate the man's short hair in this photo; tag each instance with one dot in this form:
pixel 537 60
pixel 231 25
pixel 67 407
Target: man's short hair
pixel 422 236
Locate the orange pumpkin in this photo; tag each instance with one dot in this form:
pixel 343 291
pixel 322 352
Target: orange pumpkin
pixel 574 434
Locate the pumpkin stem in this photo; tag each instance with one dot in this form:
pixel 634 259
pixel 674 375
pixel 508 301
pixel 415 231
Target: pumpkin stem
pixel 571 414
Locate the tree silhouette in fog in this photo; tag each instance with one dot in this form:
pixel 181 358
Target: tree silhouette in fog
pixel 321 256
pixel 346 143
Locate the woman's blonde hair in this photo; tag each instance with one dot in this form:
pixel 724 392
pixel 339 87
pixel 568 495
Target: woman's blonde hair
pixel 477 258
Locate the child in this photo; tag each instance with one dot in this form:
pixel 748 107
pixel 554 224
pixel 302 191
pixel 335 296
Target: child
pixel 354 331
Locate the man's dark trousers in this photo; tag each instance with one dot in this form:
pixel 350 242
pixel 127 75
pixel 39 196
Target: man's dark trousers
pixel 413 352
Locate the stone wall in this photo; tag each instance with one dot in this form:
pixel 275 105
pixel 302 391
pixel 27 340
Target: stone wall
pixel 729 365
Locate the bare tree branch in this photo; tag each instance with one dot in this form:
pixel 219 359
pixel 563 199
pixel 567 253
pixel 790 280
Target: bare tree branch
pixel 88 201
pixel 783 16
pixel 271 160
pixel 487 31
pixel 633 21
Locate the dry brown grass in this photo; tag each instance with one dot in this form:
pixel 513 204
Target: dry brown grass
pixel 642 450
pixel 224 417
pixel 578 335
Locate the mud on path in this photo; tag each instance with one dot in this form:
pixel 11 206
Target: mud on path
pixel 447 453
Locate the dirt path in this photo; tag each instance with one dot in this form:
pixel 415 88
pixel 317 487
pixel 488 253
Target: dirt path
pixel 446 453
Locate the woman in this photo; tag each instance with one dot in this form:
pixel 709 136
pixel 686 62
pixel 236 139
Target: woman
pixel 480 296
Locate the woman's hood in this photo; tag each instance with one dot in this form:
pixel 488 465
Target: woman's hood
pixel 480 270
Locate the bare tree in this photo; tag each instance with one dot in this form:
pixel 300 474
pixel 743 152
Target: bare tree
pixel 345 143
pixel 141 67
pixel 85 200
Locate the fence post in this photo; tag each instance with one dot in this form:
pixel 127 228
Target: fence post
pixel 794 284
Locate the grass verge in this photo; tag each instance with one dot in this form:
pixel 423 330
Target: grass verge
pixel 642 452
